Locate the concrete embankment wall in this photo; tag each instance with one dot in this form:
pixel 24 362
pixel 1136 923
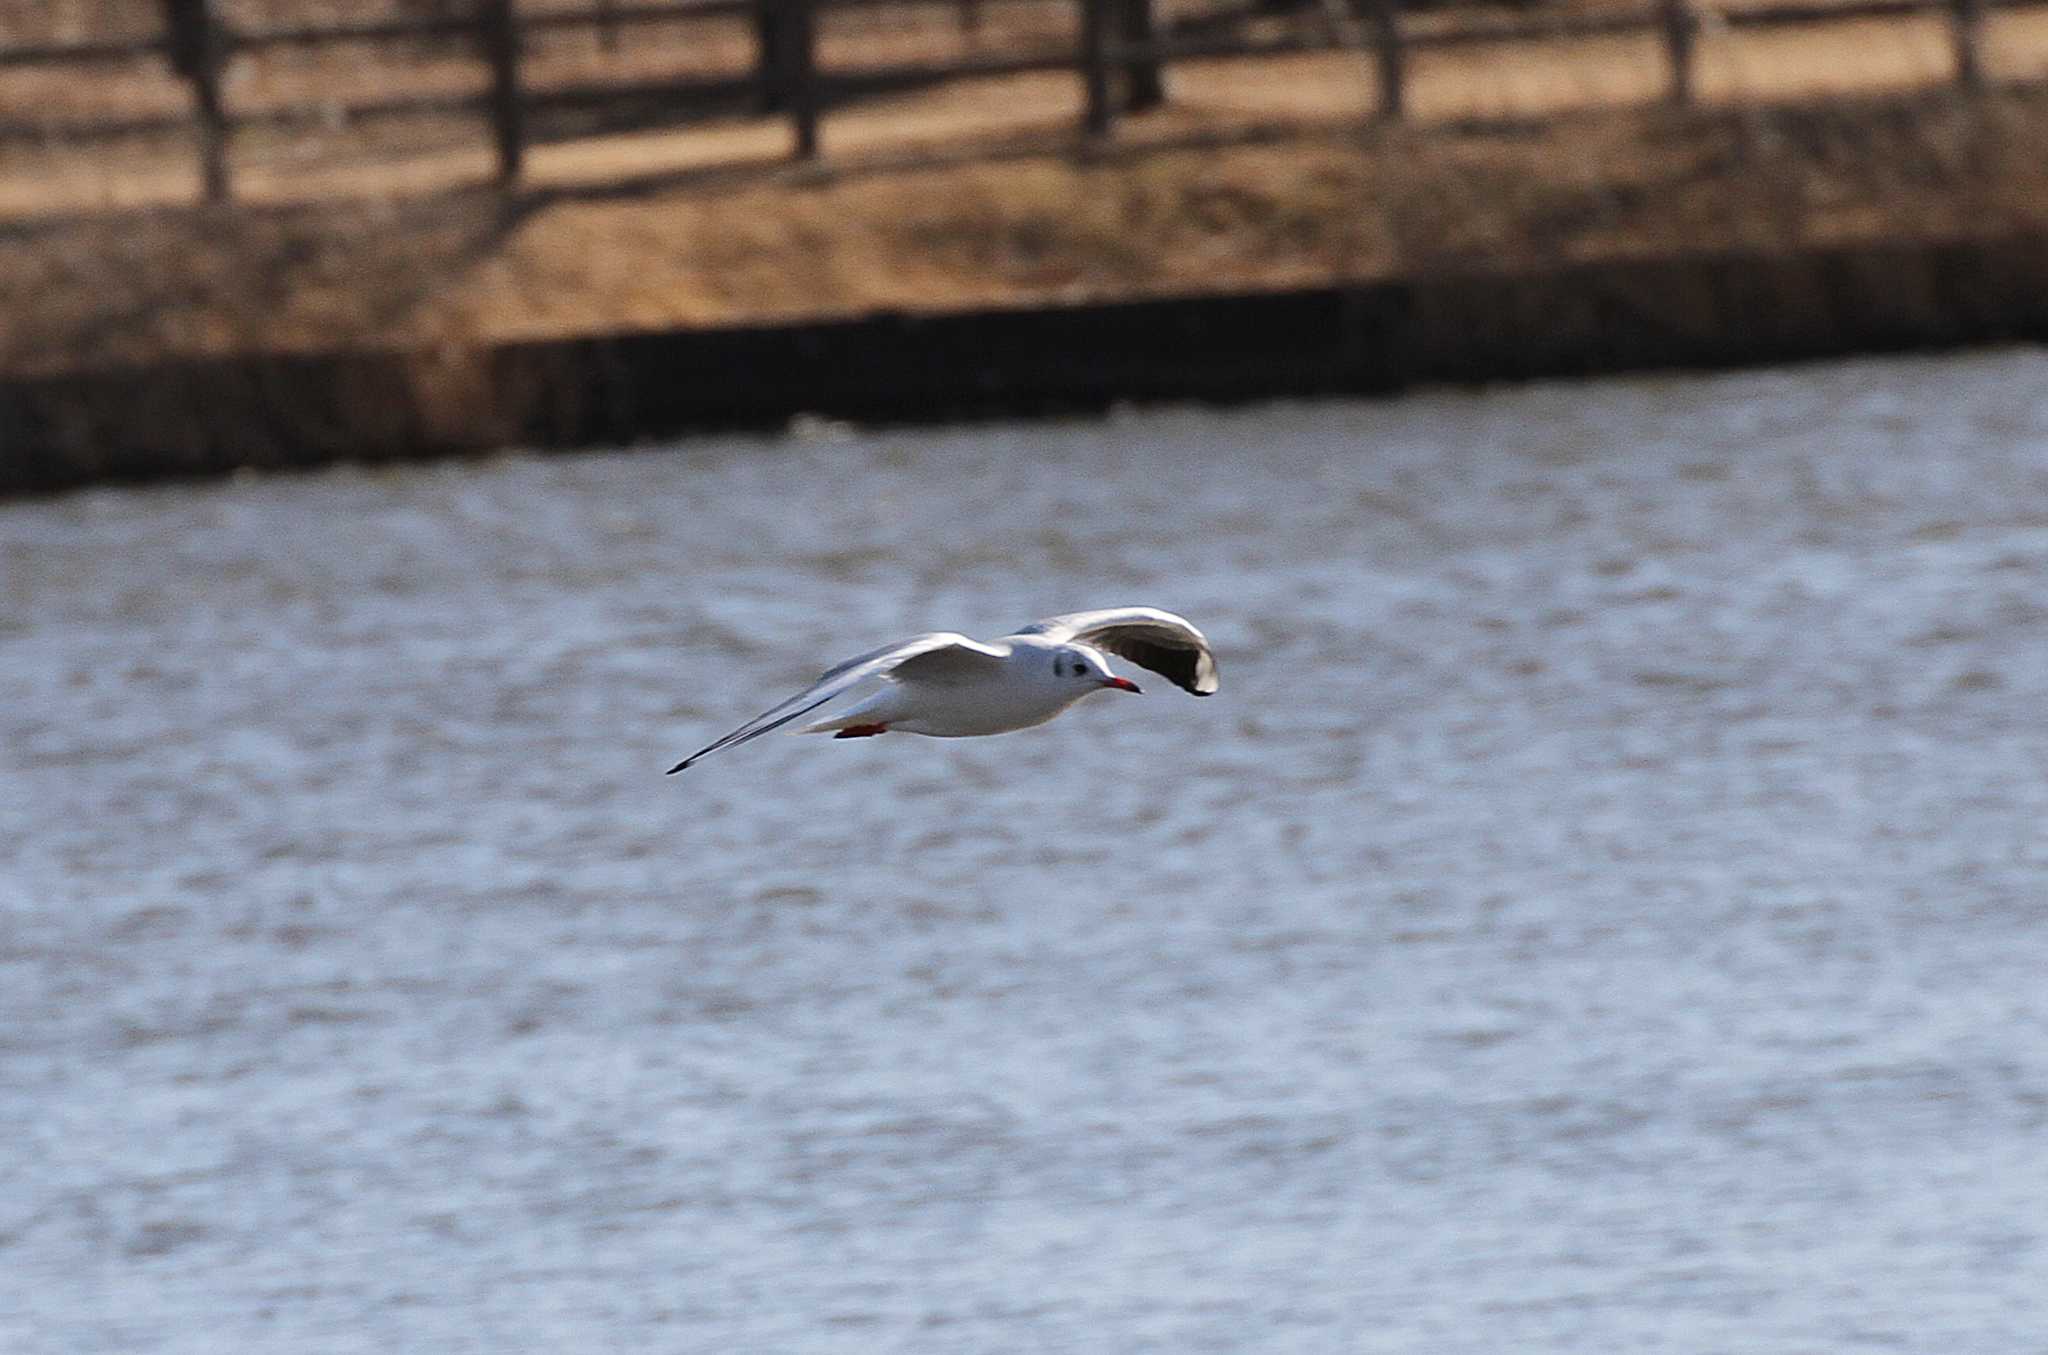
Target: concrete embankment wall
pixel 197 417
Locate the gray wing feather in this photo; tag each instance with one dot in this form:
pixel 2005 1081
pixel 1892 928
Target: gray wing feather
pixel 955 664
pixel 1167 644
pixel 901 659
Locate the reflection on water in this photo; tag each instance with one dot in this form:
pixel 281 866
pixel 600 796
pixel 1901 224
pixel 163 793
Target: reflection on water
pixel 1604 910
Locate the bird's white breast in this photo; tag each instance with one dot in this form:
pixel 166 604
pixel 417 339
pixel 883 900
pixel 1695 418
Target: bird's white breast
pixel 1020 699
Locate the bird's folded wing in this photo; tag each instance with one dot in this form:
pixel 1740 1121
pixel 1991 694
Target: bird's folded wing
pixel 886 661
pixel 1169 645
pixel 959 664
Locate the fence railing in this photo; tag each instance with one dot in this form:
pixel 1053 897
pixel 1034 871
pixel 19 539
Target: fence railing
pixel 1121 57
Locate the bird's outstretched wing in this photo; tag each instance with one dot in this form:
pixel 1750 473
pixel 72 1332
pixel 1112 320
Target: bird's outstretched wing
pixel 939 657
pixel 1169 645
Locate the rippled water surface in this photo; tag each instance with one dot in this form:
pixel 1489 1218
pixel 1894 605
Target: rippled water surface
pixel 1606 909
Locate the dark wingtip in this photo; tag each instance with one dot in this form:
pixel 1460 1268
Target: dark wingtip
pixel 678 767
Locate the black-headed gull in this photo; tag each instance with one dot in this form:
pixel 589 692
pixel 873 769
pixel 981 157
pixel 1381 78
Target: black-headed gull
pixel 949 686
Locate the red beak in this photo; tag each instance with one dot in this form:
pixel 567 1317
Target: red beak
pixel 1123 685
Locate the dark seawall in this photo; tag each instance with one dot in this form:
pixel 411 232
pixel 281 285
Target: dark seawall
pixel 200 417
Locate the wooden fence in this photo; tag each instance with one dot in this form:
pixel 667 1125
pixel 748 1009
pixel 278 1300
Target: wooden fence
pixel 1121 56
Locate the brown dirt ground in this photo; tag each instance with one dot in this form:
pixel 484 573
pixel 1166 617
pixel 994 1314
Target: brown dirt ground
pixel 1258 174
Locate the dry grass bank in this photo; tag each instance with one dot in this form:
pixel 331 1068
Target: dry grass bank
pixel 1006 218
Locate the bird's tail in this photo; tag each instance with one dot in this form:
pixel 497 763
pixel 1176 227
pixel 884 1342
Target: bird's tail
pixel 877 709
pixel 836 723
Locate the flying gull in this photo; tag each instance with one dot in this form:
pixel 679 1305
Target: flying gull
pixel 949 686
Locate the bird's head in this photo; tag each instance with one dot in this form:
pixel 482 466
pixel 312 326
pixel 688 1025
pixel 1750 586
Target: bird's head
pixel 1086 668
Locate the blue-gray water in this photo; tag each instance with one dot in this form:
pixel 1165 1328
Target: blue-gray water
pixel 1606 909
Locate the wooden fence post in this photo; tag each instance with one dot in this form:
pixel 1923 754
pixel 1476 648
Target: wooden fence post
pixel 804 66
pixel 1386 24
pixel 785 45
pixel 498 29
pixel 1681 33
pixel 1144 85
pixel 768 97
pixel 1098 118
pixel 1967 20
pixel 198 47
pixel 789 68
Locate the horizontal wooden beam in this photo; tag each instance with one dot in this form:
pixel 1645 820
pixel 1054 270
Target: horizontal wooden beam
pixel 1423 30
pixel 80 53
pixel 1418 31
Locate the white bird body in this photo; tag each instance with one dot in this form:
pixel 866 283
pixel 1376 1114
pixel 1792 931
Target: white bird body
pixel 1025 691
pixel 947 686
